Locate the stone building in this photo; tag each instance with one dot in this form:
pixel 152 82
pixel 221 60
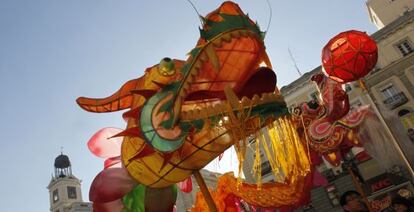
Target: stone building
pixel 391 84
pixel 65 189
pixel 390 88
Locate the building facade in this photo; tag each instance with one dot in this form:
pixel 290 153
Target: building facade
pixel 185 201
pixel 389 87
pixel 384 12
pixel 65 189
pixel 391 84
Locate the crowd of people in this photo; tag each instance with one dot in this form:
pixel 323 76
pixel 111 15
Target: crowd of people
pixel 351 201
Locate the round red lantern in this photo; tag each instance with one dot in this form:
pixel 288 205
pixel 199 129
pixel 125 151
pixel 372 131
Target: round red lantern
pixel 349 56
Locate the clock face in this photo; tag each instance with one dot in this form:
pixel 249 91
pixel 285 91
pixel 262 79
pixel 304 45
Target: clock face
pixel 55 196
pixel 71 192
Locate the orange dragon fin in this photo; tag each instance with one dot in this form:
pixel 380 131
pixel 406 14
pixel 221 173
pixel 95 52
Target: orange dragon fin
pixel 120 100
pixel 133 113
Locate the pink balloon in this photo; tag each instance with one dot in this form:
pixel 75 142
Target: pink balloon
pixel 102 145
pixel 111 184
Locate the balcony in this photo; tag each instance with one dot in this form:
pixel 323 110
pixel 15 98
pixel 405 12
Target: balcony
pixel 395 101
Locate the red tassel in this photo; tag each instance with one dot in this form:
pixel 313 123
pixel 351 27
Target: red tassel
pixel 186 186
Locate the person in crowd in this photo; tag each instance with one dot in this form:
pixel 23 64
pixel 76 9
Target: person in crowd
pixel 401 204
pixel 410 133
pixel 351 201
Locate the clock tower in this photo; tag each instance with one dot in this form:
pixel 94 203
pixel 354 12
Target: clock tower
pixel 65 189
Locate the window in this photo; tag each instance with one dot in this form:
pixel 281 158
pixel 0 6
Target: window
pixel 405 47
pixel 393 98
pixel 407 118
pixel 355 104
pixel 266 168
pixel 71 192
pixel 389 91
pixel 314 96
pixel 55 196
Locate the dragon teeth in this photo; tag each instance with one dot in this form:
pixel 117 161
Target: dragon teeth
pixel 197 65
pixel 222 107
pixel 246 101
pixel 243 33
pixel 217 43
pixel 255 98
pixel 266 96
pixel 203 113
pixel 226 37
pixel 203 57
pixel 212 56
pixel 251 34
pixel 235 34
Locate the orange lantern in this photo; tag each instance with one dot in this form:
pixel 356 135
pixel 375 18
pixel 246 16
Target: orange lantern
pixel 349 56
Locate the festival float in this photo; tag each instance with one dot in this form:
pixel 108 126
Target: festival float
pixel 181 114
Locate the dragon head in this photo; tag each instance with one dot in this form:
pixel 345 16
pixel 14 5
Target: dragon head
pixel 224 66
pixel 183 114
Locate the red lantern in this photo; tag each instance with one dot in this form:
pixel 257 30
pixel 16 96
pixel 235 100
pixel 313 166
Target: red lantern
pixel 349 56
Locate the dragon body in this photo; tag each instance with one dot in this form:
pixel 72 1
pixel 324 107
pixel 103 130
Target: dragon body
pixel 183 114
pixel 330 127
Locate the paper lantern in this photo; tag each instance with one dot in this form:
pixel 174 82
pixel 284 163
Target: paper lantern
pixel 349 56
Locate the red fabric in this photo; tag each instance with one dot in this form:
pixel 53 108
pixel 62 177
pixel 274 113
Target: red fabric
pixel 232 203
pixel 186 186
pixel 319 179
pixel 284 209
pixel 362 156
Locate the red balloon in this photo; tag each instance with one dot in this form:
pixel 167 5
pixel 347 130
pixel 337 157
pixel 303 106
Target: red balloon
pixel 349 56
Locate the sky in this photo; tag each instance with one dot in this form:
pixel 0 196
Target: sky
pixel 53 51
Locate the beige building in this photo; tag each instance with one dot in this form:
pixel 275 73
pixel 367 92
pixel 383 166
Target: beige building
pixel 384 12
pixel 390 86
pixel 65 189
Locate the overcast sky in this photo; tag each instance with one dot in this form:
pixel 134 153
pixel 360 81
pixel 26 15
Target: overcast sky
pixel 52 51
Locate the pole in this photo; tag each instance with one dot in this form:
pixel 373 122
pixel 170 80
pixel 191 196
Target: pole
pixel 393 139
pixel 359 189
pixel 204 191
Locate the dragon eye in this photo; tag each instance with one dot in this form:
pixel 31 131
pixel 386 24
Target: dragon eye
pixel 166 67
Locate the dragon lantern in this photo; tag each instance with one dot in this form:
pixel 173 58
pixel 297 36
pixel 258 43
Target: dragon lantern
pixel 329 126
pixel 183 114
